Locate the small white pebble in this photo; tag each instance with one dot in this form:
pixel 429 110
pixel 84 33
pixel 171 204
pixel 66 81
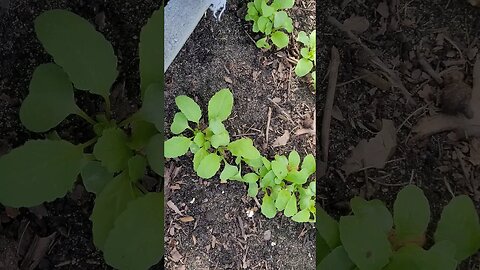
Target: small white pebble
pixel 193 200
pixel 273 244
pixel 223 191
pixel 250 213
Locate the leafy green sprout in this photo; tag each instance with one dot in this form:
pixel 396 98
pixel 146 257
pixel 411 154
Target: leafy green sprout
pixel 308 61
pixel 283 181
pixel 114 160
pixel 271 20
pixel 372 239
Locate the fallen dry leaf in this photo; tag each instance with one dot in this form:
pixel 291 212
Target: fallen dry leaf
pixel 375 152
pixel 356 24
pixel 228 80
pixel 282 140
pixel 175 255
pixel 187 219
pixel 172 206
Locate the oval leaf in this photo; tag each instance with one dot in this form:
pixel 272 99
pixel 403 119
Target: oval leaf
pixel 39 171
pixel 280 39
pixel 154 152
pixel 209 166
pixel 152 106
pixel 112 150
pixel 95 177
pixel 189 108
pixel 50 99
pixel 303 67
pixel 176 146
pixel 244 148
pixel 136 240
pixel 85 55
pixel 229 171
pixel 180 123
pixel 411 213
pixel 268 207
pixel 136 167
pixel 291 207
pixel 338 259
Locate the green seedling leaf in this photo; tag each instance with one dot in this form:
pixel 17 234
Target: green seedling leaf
pixel 268 28
pixel 222 139
pixel 220 105
pixel 303 38
pixel 267 10
pixel 291 207
pixel 322 250
pixel 327 228
pixel 263 44
pixel 252 11
pixel 414 257
pixel 136 240
pixel 366 245
pixel 154 153
pixel 177 146
pixel 142 132
pixel 85 55
pixel 304 52
pixel 338 259
pixel 373 210
pixel 50 99
pixel 31 175
pixel 266 163
pixel 217 127
pixel 137 166
pixel 189 108
pixel 411 214
pixel 180 123
pixel 199 139
pixel 309 164
pixel 244 148
pixel 293 160
pixel 283 4
pixel 112 150
pixel 283 21
pixel 262 23
pixel 302 216
pixel 250 178
pixel 150 52
pixel 297 177
pixel 282 199
pixel 258 4
pixel 109 204
pixel 252 189
pixel 229 171
pixel 459 224
pixel 304 66
pixel 209 166
pixel 152 106
pixel 268 180
pixel 280 169
pixel 95 177
pixel 198 157
pixel 280 39
pixel 268 207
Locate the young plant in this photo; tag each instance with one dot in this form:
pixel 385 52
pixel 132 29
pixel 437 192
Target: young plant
pixel 372 239
pixel 281 180
pixel 308 53
pixel 127 220
pixel 271 20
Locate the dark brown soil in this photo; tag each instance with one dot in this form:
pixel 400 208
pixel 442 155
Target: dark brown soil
pixel 433 164
pixel 20 53
pixel 222 55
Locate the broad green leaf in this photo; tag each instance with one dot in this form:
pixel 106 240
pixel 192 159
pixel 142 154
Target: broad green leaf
pixel 50 99
pixel 199 139
pixel 85 55
pixel 180 123
pixel 283 21
pixel 374 210
pixel 282 199
pixel 152 106
pixel 258 4
pixel 255 27
pixel 228 172
pixel 194 148
pixel 136 240
pixel 250 178
pixel 262 23
pixel 293 160
pixel 112 150
pixel 142 131
pixel 291 207
pixel 297 177
pixel 283 4
pixel 209 166
pixel 137 166
pixel 302 216
pixel 414 257
pixel 268 207
pixel 267 10
pixel 304 52
pixel 411 213
pixel 244 148
pixel 338 259
pixel 150 51
pixel 39 171
pixel 303 38
pixel 263 43
pixel 176 146
pixel 268 180
pixel 189 108
pixel 366 245
pixel 313 40
pixel 252 189
pixel 268 28
pixel 322 250
pixel 154 153
pixel 280 39
pixel 255 164
pixel 327 228
pixel 309 164
pixel 459 224
pixel 280 169
pixel 304 66
pixel 109 204
pixel 222 139
pixel 220 105
pixel 252 11
pixel 95 177
pixel 198 157
pixel 216 127
pixel 266 163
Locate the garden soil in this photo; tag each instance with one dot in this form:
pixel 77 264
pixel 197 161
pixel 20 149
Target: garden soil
pixel 445 33
pixel 220 234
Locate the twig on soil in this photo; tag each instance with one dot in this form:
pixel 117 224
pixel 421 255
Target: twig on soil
pixel 282 111
pixel 242 230
pixel 327 112
pixel 428 68
pixel 269 118
pixel 374 59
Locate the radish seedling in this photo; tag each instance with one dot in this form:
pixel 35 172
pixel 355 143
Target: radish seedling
pixel 308 60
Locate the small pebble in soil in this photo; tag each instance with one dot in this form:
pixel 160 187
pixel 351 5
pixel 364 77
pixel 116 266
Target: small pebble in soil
pixel 273 244
pixel 267 235
pixel 250 213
